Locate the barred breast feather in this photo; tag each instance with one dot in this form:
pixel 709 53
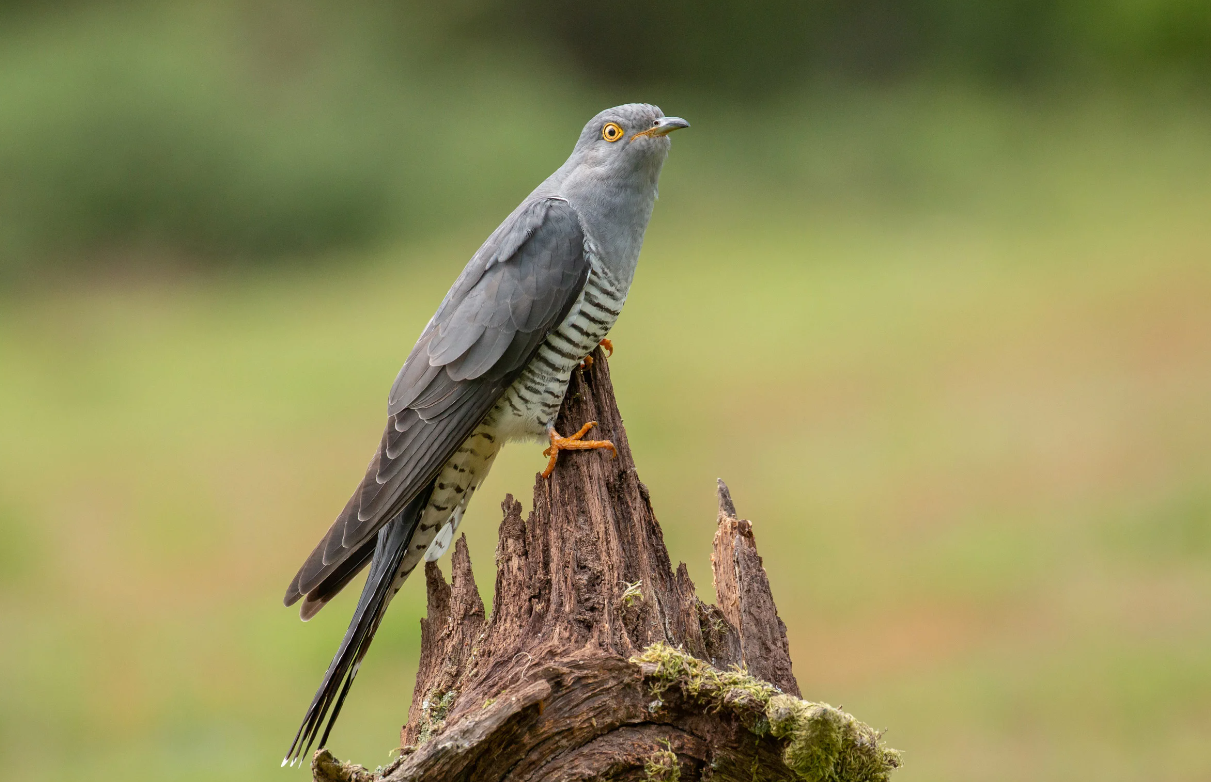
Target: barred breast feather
pixel 530 404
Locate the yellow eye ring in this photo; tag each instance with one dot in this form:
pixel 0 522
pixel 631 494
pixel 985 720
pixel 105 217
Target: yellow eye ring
pixel 612 132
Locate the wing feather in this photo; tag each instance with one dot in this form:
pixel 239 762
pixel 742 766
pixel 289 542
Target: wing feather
pixel 519 286
pixel 483 355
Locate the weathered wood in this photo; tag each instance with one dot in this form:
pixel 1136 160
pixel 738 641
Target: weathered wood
pixel 598 660
pixel 454 624
pixel 742 589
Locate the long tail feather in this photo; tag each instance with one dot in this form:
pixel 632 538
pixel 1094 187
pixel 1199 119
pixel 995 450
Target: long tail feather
pixel 389 551
pixel 327 589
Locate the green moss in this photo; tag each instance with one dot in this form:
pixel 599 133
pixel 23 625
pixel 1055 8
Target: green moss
pixel 633 593
pixel 325 767
pixel 662 766
pixel 812 733
pixel 820 743
pixel 701 680
pixel 433 714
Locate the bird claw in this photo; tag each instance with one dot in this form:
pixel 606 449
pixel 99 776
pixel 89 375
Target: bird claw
pixel 587 361
pixel 573 443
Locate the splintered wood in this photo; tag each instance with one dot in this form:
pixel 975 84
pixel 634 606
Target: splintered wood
pixel 598 660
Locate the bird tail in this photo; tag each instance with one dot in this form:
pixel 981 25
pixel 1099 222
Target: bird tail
pixel 392 543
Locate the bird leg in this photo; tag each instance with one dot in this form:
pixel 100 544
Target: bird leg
pixel 587 361
pixel 573 443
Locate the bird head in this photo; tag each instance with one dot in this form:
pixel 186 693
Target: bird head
pixel 611 179
pixel 626 139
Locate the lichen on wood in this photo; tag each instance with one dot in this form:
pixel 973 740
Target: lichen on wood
pixel 820 742
pixel 598 660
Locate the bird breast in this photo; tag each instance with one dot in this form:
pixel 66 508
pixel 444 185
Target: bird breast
pixel 530 405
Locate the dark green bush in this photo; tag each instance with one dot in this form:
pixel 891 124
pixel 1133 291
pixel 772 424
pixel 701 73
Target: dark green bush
pixel 762 46
pixel 247 131
pixel 115 137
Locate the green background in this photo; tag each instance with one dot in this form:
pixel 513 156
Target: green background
pixel 927 286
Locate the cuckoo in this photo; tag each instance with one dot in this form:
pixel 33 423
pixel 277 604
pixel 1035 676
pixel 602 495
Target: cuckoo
pixel 492 365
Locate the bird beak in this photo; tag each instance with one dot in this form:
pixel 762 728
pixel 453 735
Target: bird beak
pixel 663 127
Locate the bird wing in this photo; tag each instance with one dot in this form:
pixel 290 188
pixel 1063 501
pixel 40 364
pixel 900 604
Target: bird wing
pixel 519 286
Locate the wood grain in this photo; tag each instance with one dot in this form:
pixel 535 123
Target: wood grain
pixel 545 688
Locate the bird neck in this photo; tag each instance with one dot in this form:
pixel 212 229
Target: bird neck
pixel 614 213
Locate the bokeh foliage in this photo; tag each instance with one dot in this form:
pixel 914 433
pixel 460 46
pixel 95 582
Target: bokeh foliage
pixel 766 46
pixel 243 132
pixel 950 351
pixel 930 295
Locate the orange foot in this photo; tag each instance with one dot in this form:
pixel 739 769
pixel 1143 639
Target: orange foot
pixel 588 360
pixel 573 443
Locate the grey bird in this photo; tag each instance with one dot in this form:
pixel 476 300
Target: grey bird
pixel 492 365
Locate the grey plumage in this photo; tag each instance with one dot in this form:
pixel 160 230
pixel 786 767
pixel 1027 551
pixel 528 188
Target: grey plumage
pixel 491 365
pixel 512 293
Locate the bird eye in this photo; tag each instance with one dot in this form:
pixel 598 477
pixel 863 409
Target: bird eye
pixel 611 132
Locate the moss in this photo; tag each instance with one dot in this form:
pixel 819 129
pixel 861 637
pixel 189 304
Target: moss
pixel 633 593
pixel 819 743
pixel 812 733
pixel 662 766
pixel 326 768
pixel 439 710
pixel 701 681
pixel 433 714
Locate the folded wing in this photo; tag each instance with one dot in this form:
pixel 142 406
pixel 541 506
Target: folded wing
pixel 518 287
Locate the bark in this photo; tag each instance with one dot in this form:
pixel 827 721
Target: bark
pixel 598 661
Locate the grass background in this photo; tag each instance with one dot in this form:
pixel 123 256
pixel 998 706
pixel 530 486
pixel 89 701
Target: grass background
pixel 951 352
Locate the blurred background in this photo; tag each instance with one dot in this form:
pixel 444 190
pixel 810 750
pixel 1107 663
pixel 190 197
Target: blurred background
pixel 977 454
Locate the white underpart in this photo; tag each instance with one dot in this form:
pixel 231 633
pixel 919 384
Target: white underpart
pixel 441 542
pixel 446 536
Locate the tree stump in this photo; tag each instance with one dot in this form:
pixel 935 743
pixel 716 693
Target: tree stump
pixel 598 661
